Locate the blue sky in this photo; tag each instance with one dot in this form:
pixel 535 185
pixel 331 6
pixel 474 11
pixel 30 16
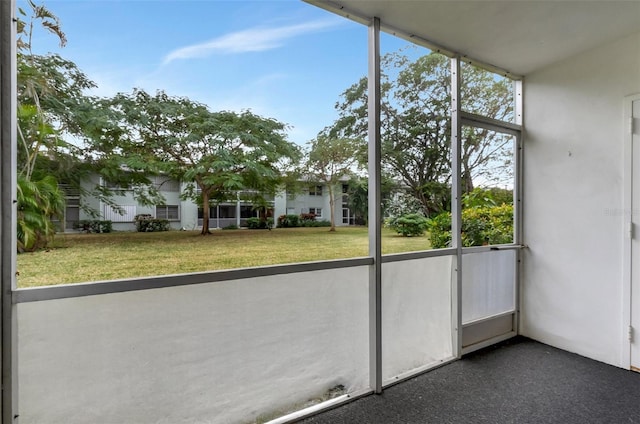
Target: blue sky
pixel 282 59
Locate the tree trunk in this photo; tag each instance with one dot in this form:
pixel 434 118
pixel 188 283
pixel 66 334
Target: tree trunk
pixel 205 213
pixel 332 207
pixel 467 179
pixel 468 182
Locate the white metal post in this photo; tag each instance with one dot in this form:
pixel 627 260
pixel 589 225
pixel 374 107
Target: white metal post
pixel 456 203
pixel 238 210
pixel 8 210
pixel 517 195
pixel 375 249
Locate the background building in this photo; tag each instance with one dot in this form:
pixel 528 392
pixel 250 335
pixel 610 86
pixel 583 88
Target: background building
pixel 312 198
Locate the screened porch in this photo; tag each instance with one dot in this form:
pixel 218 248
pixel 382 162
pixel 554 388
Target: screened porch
pixel 376 337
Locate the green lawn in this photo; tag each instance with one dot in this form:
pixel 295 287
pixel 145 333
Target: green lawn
pixel 77 258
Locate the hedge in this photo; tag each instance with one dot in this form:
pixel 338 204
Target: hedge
pixel 255 223
pixel 146 224
pixel 409 225
pixel 481 225
pixel 95 226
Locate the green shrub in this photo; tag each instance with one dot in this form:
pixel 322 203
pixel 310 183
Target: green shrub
pixel 151 225
pixel 95 226
pixel 481 225
pixel 253 223
pixel 260 223
pixel 309 223
pixel 487 197
pixel 409 225
pixel 305 217
pixel 439 228
pixel 142 216
pixel 288 221
pixel 230 227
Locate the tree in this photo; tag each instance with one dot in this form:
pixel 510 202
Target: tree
pixel 38 202
pixel 358 199
pixel 38 198
pixel 45 85
pixel 358 196
pixel 416 135
pixel 53 109
pixel 215 153
pixel 330 159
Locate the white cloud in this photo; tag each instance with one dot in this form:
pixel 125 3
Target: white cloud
pixel 249 40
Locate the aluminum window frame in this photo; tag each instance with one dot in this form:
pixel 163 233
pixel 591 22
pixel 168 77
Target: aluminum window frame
pixel 459 119
pixel 8 210
pixel 166 184
pixel 166 212
pixel 315 212
pixel 316 190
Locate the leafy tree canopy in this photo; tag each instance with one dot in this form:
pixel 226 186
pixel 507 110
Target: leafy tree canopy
pixel 39 199
pixel 416 135
pixel 216 153
pixel 330 159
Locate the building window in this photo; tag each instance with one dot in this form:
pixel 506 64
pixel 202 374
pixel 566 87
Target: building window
pixel 345 195
pixel 345 215
pixel 170 212
pixel 316 211
pixel 166 184
pixel 247 212
pixel 116 186
pixel 226 211
pixel 315 190
pixel 72 212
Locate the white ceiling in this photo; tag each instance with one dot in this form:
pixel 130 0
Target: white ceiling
pixel 519 36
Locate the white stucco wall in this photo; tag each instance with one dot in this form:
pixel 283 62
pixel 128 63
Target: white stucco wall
pixel 188 209
pixel 188 215
pixel 279 205
pixel 303 201
pixel 572 282
pixel 90 202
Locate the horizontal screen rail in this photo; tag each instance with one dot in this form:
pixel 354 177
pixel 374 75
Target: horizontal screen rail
pixel 294 417
pixel 480 249
pixel 491 124
pixel 398 257
pixel 420 370
pixel 488 318
pixel 36 294
pixel 489 342
pixel 63 291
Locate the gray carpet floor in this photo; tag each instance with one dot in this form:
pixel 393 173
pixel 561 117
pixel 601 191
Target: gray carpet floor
pixel 518 381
